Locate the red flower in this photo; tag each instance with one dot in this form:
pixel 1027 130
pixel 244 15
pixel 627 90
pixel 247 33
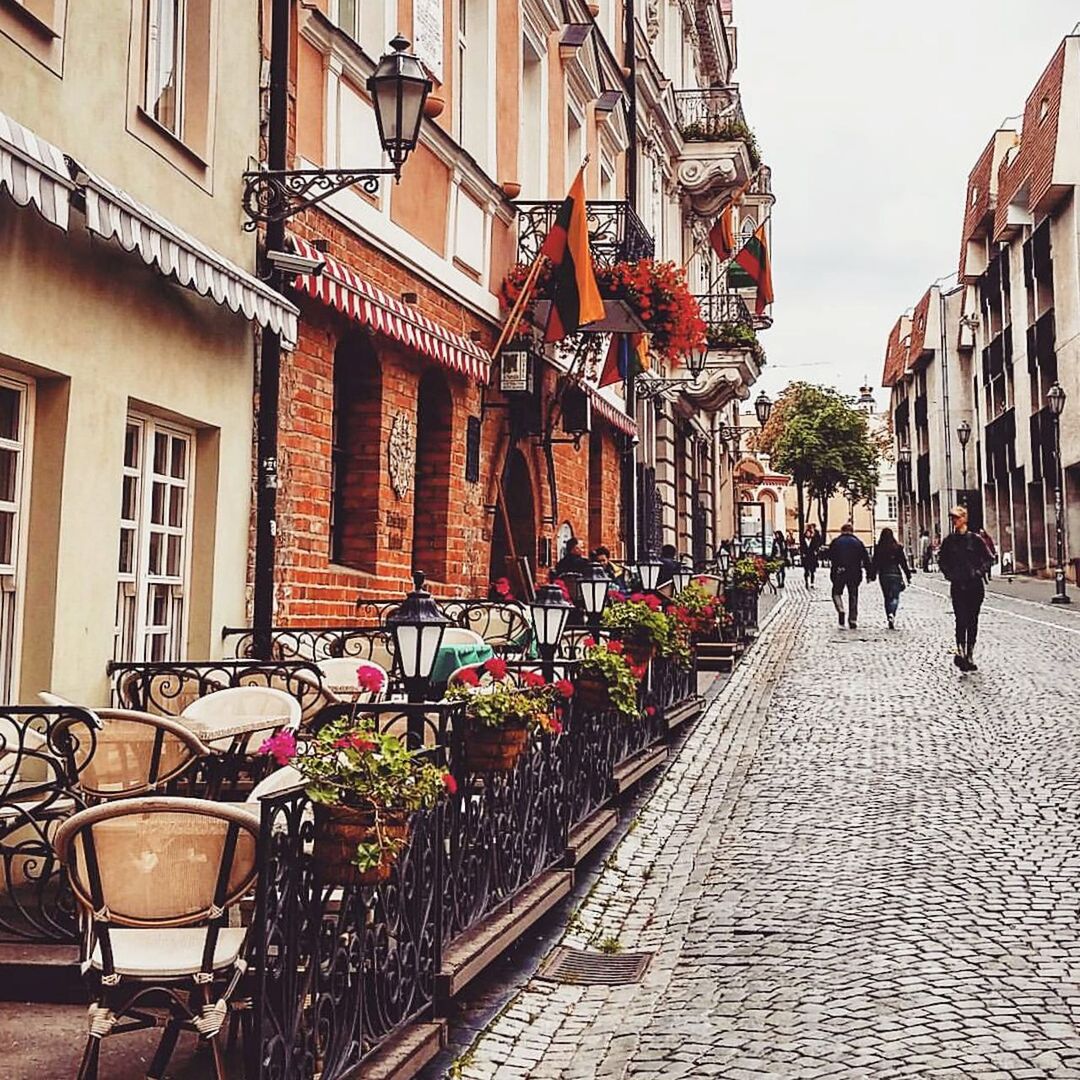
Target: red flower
pixel 562 588
pixel 653 602
pixel 636 598
pixel 369 678
pixel 587 642
pixel 616 596
pixel 638 671
pixel 449 782
pixel 468 677
pixel 496 667
pixel 556 725
pixel 565 688
pixel 282 747
pixel 532 678
pixel 354 742
pixel 708 611
pixel 502 587
pixel 615 646
pixel 650 710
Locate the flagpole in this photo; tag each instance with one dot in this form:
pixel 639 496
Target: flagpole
pixel 733 201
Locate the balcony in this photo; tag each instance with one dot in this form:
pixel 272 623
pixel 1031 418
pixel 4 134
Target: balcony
pixel 735 355
pixel 616 233
pixel 719 149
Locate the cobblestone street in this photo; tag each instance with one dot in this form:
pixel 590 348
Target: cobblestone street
pixel 860 864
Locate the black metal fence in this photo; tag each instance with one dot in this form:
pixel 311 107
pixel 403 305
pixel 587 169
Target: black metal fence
pixel 616 233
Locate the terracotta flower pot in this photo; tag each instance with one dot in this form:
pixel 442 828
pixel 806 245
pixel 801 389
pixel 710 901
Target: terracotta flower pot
pixel 490 749
pixel 338 831
pixel 592 693
pixel 434 105
pixel 511 189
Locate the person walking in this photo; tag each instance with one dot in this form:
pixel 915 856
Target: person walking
pixel 964 560
pixel 987 539
pixel 809 549
pixel 780 554
pixel 890 566
pixel 848 558
pixel 924 551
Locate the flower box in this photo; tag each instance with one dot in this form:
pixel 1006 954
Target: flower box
pixel 341 829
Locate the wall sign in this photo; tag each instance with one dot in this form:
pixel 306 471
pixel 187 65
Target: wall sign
pixel 401 455
pixel 472 450
pixel 428 35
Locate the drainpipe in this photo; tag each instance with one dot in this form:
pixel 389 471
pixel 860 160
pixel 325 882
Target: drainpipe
pixel 945 402
pixel 270 362
pixel 630 492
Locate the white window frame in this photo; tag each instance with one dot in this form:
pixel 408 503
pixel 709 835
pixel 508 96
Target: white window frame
pixel 133 631
pixel 530 125
pixel 573 161
pixel 152 73
pixel 13 574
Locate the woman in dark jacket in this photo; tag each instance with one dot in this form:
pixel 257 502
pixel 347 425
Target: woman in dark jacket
pixel 889 565
pixel 964 562
pixel 809 549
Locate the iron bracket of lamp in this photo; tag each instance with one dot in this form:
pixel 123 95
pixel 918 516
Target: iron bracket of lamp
pixel 654 388
pixel 278 194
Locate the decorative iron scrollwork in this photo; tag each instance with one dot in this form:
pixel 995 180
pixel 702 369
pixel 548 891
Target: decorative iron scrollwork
pixel 278 194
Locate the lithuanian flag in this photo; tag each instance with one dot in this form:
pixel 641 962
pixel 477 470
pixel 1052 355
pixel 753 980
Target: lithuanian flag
pixel 628 354
pixel 753 269
pixel 576 299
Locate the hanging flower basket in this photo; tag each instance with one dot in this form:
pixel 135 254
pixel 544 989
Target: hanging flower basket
pixel 593 693
pixel 340 830
pixel 639 649
pixel 494 749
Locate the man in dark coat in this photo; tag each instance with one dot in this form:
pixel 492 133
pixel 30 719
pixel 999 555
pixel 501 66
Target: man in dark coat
pixel 848 558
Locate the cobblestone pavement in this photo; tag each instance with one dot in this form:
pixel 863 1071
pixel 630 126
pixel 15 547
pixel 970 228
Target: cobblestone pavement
pixel 860 864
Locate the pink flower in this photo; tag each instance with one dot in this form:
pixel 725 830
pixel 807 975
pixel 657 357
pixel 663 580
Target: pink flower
pixel 565 688
pixel 587 642
pixel 532 678
pixel 449 783
pixel 496 667
pixel 556 725
pixel 637 597
pixel 369 678
pixel 650 710
pixel 468 677
pixel 354 742
pixel 281 746
pixel 615 646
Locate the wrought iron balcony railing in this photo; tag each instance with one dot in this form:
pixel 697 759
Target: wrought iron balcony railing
pixel 616 233
pixel 707 114
pixel 720 308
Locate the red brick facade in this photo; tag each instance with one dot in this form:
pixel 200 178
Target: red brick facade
pixel 443 524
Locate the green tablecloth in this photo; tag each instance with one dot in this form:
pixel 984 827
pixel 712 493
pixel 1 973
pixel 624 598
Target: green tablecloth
pixel 451 657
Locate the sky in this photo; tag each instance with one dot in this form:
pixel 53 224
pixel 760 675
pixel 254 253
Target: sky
pixel 871 116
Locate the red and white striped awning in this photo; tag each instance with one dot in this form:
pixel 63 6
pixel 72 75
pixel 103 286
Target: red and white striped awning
pixel 367 304
pixel 610 412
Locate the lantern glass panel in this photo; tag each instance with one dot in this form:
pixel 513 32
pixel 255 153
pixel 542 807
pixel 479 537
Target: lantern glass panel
pixel 594 595
pixel 548 623
pixel 650 575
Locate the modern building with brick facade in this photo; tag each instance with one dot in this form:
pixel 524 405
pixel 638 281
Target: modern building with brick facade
pixel 397 450
pixel 1008 330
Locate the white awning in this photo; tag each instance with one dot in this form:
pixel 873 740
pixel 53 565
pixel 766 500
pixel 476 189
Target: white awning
pixel 34 171
pixel 111 212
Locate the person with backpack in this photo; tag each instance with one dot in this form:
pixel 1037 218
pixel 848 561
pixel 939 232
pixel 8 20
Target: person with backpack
pixel 964 562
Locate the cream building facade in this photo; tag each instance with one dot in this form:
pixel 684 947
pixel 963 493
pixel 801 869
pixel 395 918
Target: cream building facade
pixel 127 337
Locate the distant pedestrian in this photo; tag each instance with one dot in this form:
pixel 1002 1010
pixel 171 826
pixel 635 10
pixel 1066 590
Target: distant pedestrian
pixel 925 548
pixel 669 563
pixel 964 560
pixel 985 537
pixel 573 560
pixel 890 566
pixel 780 555
pixel 848 558
pixel 809 550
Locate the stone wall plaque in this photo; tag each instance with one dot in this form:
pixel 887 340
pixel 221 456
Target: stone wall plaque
pixel 428 35
pixel 401 455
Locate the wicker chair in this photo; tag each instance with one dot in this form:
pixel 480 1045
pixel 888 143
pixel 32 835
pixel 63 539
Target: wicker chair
pixel 155 879
pixel 225 718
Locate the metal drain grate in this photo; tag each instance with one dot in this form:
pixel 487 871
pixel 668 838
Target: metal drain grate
pixel 567 965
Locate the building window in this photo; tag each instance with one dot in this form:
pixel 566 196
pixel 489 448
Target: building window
pixel 472 72
pixel 348 17
pixel 165 62
pixel 153 569
pixel 892 508
pixel 532 171
pixel 575 142
pixel 16 405
pixel 355 462
pixel 607 178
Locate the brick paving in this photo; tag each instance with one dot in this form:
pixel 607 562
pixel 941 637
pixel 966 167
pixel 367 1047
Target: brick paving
pixel 860 864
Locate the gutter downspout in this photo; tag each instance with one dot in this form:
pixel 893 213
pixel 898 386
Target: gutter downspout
pixel 630 493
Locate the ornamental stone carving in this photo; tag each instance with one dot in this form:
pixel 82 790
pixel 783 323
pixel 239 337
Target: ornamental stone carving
pixel 401 455
pixel 707 180
pixel 652 19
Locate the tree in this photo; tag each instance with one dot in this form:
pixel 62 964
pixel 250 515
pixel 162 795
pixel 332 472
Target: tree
pixel 818 436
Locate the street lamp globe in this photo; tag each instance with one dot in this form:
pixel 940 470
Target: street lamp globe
pixel 963 432
pixel 417 627
pixel 1055 398
pixel 695 360
pixel 763 407
pixel 595 584
pixel 399 87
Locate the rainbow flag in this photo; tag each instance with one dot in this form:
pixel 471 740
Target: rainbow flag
pixel 576 298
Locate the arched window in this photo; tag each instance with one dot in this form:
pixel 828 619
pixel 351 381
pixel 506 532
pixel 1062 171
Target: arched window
pixel 431 492
pixel 746 229
pixel 355 460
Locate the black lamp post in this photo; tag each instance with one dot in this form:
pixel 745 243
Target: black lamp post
pixel 903 480
pixel 682 577
pixel 723 561
pixel 595 584
pixel 418 626
pixel 963 433
pixel 1056 399
pixel 549 613
pixel 763 407
pixel 649 569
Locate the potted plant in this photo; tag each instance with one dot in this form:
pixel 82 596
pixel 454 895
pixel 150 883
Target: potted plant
pixel 639 622
pixel 365 785
pixel 696 610
pixel 501 713
pixel 607 680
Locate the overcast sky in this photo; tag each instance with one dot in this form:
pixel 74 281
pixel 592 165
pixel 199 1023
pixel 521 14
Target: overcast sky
pixel 872 115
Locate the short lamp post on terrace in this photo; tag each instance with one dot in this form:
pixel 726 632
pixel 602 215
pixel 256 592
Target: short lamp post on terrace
pixel 963 433
pixel 723 562
pixel 682 577
pixel 595 585
pixel 1055 398
pixel 418 626
pixel 649 569
pixel 549 613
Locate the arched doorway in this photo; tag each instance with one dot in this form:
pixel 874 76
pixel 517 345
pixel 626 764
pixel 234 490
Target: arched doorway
pixel 513 539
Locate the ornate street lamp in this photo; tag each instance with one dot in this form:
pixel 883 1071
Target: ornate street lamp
pixel 417 626
pixel 963 433
pixel 682 576
pixel 549 614
pixel 695 360
pixel 695 364
pixel 649 569
pixel 1055 398
pixel 736 548
pixel 903 457
pixel 399 87
pixel 763 407
pixel 595 585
